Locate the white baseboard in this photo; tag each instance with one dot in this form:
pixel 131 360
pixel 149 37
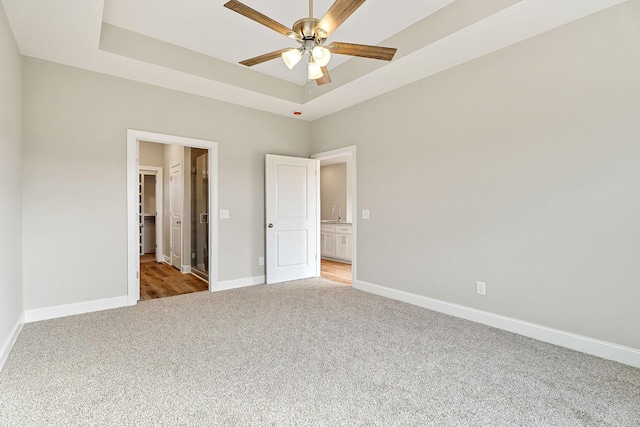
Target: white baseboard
pixel 239 283
pixel 606 350
pixel 186 269
pixel 77 308
pixel 166 259
pixel 8 344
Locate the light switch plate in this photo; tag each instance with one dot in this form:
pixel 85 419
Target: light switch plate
pixel 481 288
pixel 365 214
pixel 224 214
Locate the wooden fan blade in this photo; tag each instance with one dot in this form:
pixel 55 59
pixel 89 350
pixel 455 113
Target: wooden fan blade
pixel 365 51
pixel 337 14
pixel 263 58
pixel 326 78
pixel 252 14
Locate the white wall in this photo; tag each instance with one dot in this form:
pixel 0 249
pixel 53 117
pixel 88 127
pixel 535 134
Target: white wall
pixel 520 169
pixel 75 125
pixel 11 306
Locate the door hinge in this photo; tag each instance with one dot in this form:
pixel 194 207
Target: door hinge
pixel 137 274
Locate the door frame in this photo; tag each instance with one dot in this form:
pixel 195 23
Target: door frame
pixel 159 174
pixel 133 253
pixel 347 155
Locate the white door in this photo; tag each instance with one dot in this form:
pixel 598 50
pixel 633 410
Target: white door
pixel 292 218
pixel 176 215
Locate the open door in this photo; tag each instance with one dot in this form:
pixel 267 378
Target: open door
pixel 176 192
pixel 291 200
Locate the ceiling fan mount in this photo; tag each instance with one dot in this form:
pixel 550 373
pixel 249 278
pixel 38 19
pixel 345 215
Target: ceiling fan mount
pixel 311 33
pixel 306 29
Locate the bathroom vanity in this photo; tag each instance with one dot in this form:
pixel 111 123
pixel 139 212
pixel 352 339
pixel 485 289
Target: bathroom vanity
pixel 336 240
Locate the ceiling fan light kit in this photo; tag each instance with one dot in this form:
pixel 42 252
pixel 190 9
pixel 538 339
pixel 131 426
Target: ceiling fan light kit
pixel 321 55
pixel 291 57
pixel 314 71
pixel 311 33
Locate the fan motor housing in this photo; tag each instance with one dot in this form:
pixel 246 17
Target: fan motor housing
pixel 306 28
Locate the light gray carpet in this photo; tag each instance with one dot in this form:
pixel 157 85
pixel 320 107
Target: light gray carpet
pixel 301 353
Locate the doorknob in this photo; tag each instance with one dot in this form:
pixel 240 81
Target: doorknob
pixel 270 225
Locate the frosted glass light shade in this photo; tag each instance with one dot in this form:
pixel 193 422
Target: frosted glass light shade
pixel 321 55
pixel 291 57
pixel 314 71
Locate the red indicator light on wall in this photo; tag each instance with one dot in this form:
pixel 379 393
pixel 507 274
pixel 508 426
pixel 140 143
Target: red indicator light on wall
pixel 297 113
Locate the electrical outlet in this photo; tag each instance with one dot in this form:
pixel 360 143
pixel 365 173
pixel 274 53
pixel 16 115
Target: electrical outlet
pixel 481 288
pixel 224 214
pixel 261 260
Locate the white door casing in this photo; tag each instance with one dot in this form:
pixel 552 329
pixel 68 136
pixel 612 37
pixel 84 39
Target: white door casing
pixel 133 256
pixel 291 200
pixel 176 191
pixel 348 156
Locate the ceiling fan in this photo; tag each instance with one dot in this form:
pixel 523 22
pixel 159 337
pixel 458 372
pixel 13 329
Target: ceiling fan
pixel 311 33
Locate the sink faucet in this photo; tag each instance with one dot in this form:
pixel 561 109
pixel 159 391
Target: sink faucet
pixel 333 210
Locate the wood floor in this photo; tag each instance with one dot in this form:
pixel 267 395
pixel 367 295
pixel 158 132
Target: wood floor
pixel 159 280
pixel 336 271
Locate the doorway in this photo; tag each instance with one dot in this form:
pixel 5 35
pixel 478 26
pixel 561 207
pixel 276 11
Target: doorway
pixel 151 202
pixel 179 205
pixel 338 213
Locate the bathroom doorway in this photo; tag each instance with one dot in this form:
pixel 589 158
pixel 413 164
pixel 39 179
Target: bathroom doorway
pixel 337 214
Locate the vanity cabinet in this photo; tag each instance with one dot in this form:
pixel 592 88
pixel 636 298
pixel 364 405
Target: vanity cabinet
pixel 336 241
pixel 328 240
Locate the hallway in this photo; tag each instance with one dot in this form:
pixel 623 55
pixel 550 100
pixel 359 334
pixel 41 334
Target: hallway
pixel 159 280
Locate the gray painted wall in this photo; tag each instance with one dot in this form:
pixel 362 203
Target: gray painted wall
pixel 520 169
pixel 333 190
pixel 10 181
pixel 75 125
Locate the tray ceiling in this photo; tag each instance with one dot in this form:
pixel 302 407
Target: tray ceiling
pixel 195 45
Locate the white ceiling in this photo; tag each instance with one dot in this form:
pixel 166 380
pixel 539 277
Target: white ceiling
pixel 69 33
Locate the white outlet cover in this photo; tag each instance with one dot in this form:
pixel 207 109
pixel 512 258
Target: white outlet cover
pixel 224 214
